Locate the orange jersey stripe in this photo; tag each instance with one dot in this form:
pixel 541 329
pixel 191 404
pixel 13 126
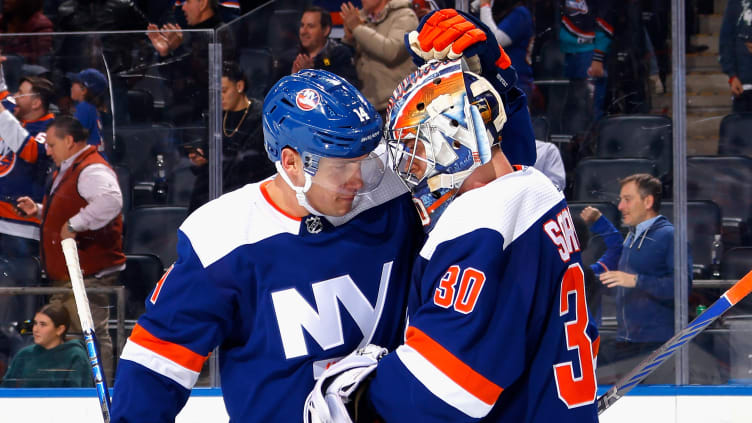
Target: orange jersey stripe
pixel 265 193
pixel 8 212
pixel 462 374
pixel 30 151
pixel 447 195
pixel 596 346
pixel 177 353
pixel 740 290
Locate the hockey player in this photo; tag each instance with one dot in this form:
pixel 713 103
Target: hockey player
pixel 498 327
pixel 285 276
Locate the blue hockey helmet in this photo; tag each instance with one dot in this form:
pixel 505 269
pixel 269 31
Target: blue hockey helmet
pixel 331 126
pixel 441 123
pixel 318 114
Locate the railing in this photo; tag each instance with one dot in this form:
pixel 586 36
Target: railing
pixel 118 290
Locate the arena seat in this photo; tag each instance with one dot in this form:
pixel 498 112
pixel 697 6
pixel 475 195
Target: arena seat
pixel 142 271
pixel 703 223
pixel 596 247
pixel 153 230
pixel 735 135
pixel 727 181
pixel 598 179
pixel 641 136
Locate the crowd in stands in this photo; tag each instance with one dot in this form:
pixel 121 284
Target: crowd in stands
pixel 139 135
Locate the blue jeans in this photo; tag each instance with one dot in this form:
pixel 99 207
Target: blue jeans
pixel 576 66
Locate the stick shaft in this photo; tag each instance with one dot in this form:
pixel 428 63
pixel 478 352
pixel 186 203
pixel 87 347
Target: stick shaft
pixel 70 251
pixel 732 296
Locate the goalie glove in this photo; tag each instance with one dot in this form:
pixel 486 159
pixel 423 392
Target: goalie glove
pixel 449 34
pixel 329 400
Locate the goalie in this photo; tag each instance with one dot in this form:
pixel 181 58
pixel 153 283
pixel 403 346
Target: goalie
pixel 498 328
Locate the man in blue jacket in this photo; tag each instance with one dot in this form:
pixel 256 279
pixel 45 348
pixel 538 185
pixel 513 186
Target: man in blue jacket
pixel 644 281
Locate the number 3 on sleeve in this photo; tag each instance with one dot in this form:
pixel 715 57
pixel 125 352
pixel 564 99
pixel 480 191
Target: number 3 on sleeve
pixel 576 391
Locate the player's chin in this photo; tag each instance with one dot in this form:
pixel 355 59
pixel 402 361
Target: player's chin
pixel 342 205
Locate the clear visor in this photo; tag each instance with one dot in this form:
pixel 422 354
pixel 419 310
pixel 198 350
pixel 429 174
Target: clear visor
pixel 356 176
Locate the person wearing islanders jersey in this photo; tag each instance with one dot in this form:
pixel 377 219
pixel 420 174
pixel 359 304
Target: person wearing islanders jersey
pixel 498 327
pixel 23 161
pixel 450 34
pixel 285 276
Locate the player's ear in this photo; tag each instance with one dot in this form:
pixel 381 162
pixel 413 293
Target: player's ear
pixel 293 165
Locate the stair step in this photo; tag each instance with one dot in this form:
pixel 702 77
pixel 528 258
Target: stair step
pixel 701 82
pixel 711 24
pixel 710 40
pixel 703 62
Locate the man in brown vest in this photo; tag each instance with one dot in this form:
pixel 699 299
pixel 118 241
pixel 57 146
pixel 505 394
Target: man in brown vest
pixel 85 203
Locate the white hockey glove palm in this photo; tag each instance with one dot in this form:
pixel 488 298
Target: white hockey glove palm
pixel 327 402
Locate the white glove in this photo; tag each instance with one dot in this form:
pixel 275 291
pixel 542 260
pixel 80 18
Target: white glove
pixel 327 401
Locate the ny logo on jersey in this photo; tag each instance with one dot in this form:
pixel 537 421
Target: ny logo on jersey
pixel 294 313
pixel 561 231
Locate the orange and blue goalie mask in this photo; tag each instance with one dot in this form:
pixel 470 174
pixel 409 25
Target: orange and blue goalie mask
pixel 441 123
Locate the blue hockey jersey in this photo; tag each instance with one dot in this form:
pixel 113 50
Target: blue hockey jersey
pixel 498 325
pixel 23 168
pixel 282 297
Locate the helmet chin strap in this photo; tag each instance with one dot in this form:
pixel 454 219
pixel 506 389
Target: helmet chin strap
pixel 300 192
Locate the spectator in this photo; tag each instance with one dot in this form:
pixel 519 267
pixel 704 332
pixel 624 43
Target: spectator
pixel 381 58
pixel 25 16
pixel 318 51
pixel 84 202
pixel 591 220
pixel 584 38
pixel 243 157
pixel 23 165
pixel 227 10
pixel 549 162
pixel 512 24
pixel 50 362
pixel 87 90
pixel 187 59
pixel 735 48
pixel 644 281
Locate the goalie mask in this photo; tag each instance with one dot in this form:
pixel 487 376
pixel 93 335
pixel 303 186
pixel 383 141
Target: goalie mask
pixel 441 123
pixel 333 128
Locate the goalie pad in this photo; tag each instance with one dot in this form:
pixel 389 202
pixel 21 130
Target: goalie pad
pixel 327 402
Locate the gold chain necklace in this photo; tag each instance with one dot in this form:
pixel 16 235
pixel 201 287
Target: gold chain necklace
pixel 235 131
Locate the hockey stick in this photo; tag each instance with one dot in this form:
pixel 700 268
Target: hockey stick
pixel 729 298
pixel 84 314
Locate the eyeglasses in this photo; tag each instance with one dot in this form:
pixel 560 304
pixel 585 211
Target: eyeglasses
pixel 23 95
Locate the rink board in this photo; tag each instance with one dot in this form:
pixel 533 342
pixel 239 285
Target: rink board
pixel 663 404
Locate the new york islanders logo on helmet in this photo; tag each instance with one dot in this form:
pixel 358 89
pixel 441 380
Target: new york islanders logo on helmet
pixel 307 99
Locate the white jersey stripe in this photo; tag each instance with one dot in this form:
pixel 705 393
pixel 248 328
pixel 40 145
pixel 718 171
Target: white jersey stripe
pixel 157 363
pixel 441 385
pixel 524 195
